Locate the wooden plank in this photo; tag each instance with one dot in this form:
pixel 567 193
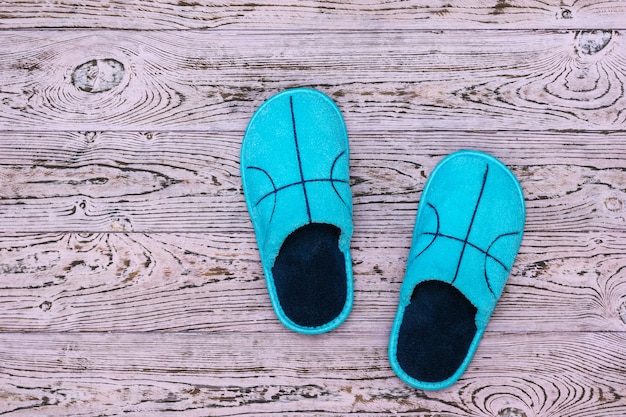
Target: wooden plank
pixel 219 374
pixel 401 81
pixel 214 282
pixel 129 275
pixel 190 181
pixel 315 15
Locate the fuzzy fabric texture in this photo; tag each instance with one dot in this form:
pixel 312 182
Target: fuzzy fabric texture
pixel 467 233
pixel 436 332
pixel 295 175
pixel 310 275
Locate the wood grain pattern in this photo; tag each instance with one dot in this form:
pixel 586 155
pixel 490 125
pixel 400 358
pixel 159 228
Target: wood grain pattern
pixel 189 181
pixel 214 282
pixel 130 282
pixel 315 15
pixel 404 80
pixel 331 375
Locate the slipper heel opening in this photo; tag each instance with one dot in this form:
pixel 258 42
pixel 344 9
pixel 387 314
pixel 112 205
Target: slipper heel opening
pixel 437 329
pixel 310 275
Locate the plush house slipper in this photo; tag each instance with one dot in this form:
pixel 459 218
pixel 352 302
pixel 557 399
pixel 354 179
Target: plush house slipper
pixel 467 233
pixel 295 175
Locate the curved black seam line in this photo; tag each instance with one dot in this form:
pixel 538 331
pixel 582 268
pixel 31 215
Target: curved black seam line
pixel 332 179
pixel 471 224
pixel 435 235
pixel 490 256
pixel 479 249
pixel 302 180
pixel 267 195
pixel 281 188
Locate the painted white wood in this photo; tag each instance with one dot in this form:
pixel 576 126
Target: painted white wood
pixel 190 181
pixel 383 80
pixel 118 282
pixel 130 282
pixel 282 373
pixel 315 15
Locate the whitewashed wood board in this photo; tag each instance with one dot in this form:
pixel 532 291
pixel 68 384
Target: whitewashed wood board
pixel 315 15
pixel 182 282
pixel 130 282
pixel 190 181
pixel 268 373
pixel 404 80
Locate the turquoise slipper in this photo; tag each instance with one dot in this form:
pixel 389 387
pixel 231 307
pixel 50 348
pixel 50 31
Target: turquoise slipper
pixel 467 233
pixel 295 174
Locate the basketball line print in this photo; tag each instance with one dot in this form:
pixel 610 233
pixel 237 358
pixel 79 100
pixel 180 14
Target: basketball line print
pixel 303 181
pixel 465 241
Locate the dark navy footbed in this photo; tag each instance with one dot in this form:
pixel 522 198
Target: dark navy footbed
pixel 310 275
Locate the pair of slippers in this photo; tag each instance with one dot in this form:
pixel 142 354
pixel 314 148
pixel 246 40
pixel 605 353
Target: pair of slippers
pixel 469 225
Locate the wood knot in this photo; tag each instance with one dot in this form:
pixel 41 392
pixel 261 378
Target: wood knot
pixel 566 14
pixel 613 204
pixel 90 137
pixel 592 41
pixel 511 412
pixel 45 306
pixel 98 75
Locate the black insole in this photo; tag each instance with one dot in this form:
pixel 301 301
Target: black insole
pixel 310 275
pixel 436 331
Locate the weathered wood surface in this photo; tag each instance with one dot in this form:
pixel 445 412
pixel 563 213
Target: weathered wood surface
pixel 401 81
pixel 130 282
pixel 208 374
pixel 314 15
pixel 100 226
pixel 189 181
pixel 179 282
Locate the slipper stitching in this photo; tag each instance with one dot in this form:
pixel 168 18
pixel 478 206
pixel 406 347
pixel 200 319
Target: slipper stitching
pixel 471 224
pixel 466 242
pixel 333 180
pixel 295 139
pixel 283 187
pixel 487 255
pixel 434 235
pixel 271 193
pixel 470 244
pixel 303 181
